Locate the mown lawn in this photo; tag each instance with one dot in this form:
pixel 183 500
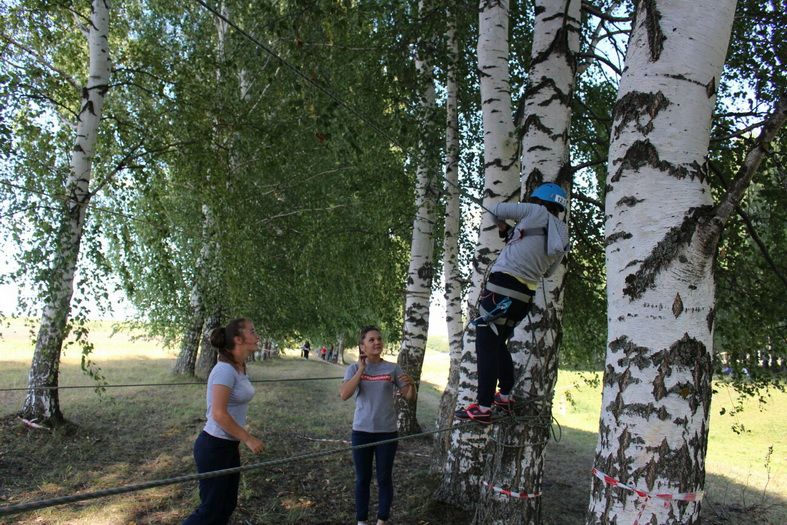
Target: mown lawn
pixel 136 434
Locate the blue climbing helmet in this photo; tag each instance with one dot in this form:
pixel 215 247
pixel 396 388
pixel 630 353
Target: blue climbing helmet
pixel 550 192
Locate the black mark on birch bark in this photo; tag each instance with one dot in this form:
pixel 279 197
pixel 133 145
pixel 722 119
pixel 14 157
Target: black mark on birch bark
pixel 636 105
pixel 535 121
pixel 665 252
pixel 677 306
pixel 643 153
pixel 558 45
pixel 615 237
pixel 656 37
pixel 629 201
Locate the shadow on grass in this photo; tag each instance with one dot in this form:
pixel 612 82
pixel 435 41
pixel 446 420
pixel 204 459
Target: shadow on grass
pixel 140 434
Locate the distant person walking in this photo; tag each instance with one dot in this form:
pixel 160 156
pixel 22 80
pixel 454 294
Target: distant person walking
pixel 374 381
pixel 217 446
pixel 305 349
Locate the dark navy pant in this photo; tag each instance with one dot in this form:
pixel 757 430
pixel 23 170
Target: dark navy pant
pixel 491 346
pixel 218 496
pixel 362 458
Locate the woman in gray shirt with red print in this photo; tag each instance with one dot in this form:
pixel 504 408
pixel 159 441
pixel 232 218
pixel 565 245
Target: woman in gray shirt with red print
pixel 374 382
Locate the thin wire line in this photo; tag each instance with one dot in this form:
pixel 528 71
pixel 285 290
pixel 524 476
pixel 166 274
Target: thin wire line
pixel 40 504
pixel 128 385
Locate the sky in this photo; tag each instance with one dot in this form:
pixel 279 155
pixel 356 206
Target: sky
pixel 124 310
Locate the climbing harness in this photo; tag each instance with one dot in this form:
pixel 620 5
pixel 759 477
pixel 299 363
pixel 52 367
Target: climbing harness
pixel 500 309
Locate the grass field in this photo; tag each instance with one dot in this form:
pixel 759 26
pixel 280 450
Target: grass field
pixel 136 434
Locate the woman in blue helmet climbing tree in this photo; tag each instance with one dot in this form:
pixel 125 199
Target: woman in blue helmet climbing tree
pixel 534 248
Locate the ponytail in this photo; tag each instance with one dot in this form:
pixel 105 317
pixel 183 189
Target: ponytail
pixel 223 339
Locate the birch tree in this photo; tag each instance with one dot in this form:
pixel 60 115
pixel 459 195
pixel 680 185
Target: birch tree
pixel 42 402
pixel 518 458
pixel 204 279
pixel 661 233
pixel 418 291
pixel 452 275
pixel 464 461
pixel 187 357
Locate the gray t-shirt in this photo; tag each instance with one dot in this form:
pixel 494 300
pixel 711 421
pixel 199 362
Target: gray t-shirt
pixel 241 392
pixel 374 402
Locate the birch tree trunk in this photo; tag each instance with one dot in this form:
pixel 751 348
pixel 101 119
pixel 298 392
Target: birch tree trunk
pixel 207 354
pixel 518 459
pixel 187 358
pixel 204 277
pixel 464 462
pixel 421 271
pixel 452 275
pixel 340 350
pixel 40 404
pixel 653 427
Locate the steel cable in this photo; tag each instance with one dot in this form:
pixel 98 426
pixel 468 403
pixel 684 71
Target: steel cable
pixel 8 510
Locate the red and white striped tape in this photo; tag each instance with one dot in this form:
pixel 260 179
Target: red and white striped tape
pixel 665 497
pixel 511 493
pixel 612 482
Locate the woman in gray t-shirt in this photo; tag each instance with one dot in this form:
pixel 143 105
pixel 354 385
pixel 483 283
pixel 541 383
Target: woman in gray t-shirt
pixel 228 395
pixel 374 382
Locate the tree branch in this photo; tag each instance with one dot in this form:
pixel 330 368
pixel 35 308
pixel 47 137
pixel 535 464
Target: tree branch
pixel 743 177
pixel 587 200
pixel 595 11
pixel 588 164
pixel 43 62
pixel 597 37
pixel 751 163
pixel 125 162
pixel 297 212
pixel 57 107
pixel 740 132
pixel 600 58
pixel 753 233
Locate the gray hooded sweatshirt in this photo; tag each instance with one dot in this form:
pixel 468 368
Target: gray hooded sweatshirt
pixel 537 244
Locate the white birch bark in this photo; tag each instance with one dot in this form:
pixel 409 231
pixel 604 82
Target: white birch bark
pixel 452 276
pixel 340 350
pixel 464 461
pixel 41 404
pixel 418 292
pixel 207 356
pixel 653 427
pixel 189 346
pixel 536 341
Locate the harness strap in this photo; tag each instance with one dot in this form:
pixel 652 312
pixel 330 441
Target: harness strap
pixel 532 231
pixel 519 296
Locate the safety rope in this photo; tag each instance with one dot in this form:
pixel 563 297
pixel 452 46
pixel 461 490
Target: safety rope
pixel 8 510
pixel 129 385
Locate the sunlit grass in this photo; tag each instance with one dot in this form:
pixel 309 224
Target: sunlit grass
pixel 746 458
pixel 115 442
